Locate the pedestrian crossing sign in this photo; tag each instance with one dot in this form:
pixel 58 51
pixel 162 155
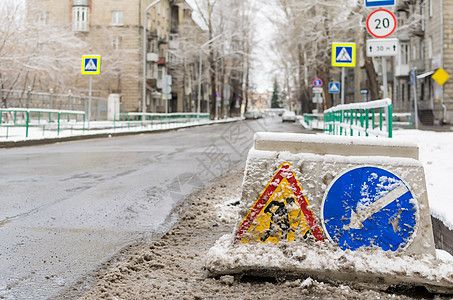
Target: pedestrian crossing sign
pixel 343 54
pixel 334 87
pixel 91 65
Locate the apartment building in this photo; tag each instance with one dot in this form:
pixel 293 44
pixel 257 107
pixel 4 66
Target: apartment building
pixel 425 28
pixel 114 30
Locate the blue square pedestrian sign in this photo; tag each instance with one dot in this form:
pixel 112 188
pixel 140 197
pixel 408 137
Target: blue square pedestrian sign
pixel 91 65
pixel 343 54
pixel 375 3
pixel 334 87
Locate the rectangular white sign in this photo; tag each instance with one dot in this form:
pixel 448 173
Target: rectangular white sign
pixel 382 47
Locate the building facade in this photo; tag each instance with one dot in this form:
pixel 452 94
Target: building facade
pixel 114 30
pixel 425 30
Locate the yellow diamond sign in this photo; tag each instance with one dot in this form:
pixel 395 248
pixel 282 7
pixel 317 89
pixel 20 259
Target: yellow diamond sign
pixel 440 76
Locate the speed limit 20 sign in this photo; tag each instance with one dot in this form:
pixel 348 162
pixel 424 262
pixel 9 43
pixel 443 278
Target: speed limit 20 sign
pixel 381 23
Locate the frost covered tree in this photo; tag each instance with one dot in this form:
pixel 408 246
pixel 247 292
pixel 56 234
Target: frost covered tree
pixel 275 100
pixel 229 56
pixel 306 31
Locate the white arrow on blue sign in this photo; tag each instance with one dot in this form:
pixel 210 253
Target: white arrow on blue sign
pixel 375 3
pixel 334 87
pixel 370 207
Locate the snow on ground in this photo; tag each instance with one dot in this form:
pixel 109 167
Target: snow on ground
pixel 436 149
pixel 174 266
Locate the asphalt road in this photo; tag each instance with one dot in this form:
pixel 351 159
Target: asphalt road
pixel 66 208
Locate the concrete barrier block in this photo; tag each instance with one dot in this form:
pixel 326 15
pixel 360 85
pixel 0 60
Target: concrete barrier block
pixel 331 195
pixel 318 160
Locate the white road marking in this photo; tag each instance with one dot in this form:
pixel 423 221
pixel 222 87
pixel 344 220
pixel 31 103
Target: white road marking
pixel 358 218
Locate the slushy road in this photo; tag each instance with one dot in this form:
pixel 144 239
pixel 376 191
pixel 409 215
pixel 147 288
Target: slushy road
pixel 66 208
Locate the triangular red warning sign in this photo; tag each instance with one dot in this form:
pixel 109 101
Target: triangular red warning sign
pixel 281 212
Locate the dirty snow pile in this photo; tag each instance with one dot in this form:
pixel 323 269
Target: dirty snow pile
pixel 325 261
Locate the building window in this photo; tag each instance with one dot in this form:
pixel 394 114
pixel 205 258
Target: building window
pixel 422 49
pixel 80 18
pixel 404 53
pixel 116 42
pixel 117 17
pixel 42 18
pixel 430 47
pixel 403 94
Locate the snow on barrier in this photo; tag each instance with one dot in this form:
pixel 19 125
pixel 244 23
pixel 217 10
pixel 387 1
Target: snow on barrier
pixel 372 118
pixel 333 208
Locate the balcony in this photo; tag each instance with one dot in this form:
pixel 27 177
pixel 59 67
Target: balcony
pixel 152 57
pixel 403 35
pixel 402 70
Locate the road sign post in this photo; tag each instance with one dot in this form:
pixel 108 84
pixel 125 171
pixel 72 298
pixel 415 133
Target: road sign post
pixel 343 55
pixel 414 85
pixel 91 65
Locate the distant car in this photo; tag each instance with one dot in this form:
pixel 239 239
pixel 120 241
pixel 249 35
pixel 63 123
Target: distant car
pixel 272 112
pixel 252 114
pixel 289 116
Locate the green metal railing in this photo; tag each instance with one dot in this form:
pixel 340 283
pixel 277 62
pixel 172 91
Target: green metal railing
pixel 313 120
pixel 372 118
pixel 402 119
pixel 33 117
pixel 134 120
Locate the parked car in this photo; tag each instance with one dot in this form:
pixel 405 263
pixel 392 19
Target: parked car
pixel 252 114
pixel 289 116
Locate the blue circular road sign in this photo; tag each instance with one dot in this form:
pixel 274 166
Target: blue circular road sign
pixel 369 206
pixel 317 82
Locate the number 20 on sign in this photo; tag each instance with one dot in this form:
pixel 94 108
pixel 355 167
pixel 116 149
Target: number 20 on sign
pixel 381 23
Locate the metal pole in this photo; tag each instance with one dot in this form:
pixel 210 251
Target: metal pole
pixel 89 102
pixel 414 79
pixel 144 55
pixel 384 76
pixel 199 86
pixel 342 84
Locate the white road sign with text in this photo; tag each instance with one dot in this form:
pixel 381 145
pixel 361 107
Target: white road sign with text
pixel 381 47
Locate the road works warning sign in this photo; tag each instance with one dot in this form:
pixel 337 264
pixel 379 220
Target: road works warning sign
pixel 281 212
pixel 370 207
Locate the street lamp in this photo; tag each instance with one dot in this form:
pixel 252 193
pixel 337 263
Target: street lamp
pixel 199 74
pixel 144 54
